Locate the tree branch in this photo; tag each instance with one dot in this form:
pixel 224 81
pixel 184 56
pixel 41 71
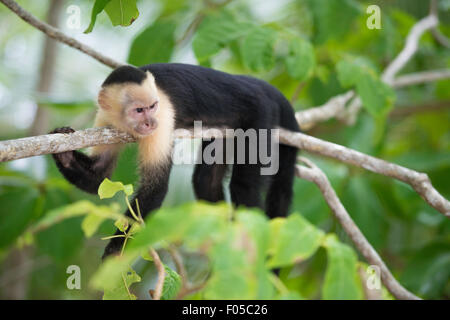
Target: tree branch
pixel 58 35
pixel 419 181
pixel 437 35
pixel 335 107
pixel 421 77
pixel 156 295
pixel 313 174
pixel 55 143
pixel 410 48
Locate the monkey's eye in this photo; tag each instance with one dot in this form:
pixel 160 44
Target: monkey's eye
pixel 153 105
pixel 139 110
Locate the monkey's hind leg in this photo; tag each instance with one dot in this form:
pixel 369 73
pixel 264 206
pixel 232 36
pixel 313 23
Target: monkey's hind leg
pixel 246 185
pixel 207 179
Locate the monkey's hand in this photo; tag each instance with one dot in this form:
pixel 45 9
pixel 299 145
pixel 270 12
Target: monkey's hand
pixel 65 158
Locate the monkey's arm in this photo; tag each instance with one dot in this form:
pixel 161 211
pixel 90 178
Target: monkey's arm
pixel 81 170
pixel 151 193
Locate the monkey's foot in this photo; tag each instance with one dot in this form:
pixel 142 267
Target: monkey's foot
pixel 63 130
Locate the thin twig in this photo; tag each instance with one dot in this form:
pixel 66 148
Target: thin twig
pixel 335 107
pixel 410 48
pixel 178 260
pixel 312 173
pixel 421 78
pixel 161 275
pixel 58 35
pixel 297 92
pixel 437 35
pixel 186 287
pixel 307 118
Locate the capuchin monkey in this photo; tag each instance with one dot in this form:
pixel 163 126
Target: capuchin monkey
pixel 151 101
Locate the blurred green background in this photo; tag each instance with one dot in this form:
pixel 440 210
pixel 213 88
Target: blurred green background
pixel 43 86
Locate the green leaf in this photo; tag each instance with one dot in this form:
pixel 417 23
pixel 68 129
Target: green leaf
pixel 231 277
pixel 216 31
pixel 122 12
pixel 172 284
pixel 90 224
pixel 291 295
pixel 122 224
pixel 121 290
pixel 292 239
pixel 257 49
pixel 62 240
pixel 154 44
pixel 301 60
pixel 18 208
pixel 115 276
pixel 76 209
pixel 257 226
pixel 254 227
pixel 376 96
pixel 98 7
pixel 341 278
pixel 333 18
pixel 108 189
pixel 135 228
pixel 191 223
pixel 365 208
pixel 349 72
pixel 428 272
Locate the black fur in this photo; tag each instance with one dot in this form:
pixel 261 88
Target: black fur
pixel 125 74
pixel 81 170
pixel 153 188
pixel 217 99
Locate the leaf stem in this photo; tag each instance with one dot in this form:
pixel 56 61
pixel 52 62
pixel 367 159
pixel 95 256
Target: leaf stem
pixel 131 210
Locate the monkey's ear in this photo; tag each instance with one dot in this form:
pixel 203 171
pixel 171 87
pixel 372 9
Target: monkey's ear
pixel 150 76
pixel 103 99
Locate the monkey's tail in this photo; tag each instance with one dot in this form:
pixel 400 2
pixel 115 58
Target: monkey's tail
pixel 280 191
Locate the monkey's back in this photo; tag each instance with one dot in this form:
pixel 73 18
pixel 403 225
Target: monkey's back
pixel 221 99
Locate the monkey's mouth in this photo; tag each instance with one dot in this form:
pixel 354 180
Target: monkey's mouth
pixel 146 128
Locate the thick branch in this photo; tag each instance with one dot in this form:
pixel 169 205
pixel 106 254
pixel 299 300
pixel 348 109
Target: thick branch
pixel 313 174
pixel 58 142
pixel 58 35
pixel 55 143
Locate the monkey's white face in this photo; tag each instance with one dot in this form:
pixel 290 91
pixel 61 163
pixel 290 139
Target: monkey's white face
pixel 140 117
pixel 132 107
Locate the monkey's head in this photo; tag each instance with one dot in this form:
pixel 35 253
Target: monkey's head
pixel 129 100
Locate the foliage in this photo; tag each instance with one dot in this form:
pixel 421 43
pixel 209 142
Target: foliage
pixel 243 249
